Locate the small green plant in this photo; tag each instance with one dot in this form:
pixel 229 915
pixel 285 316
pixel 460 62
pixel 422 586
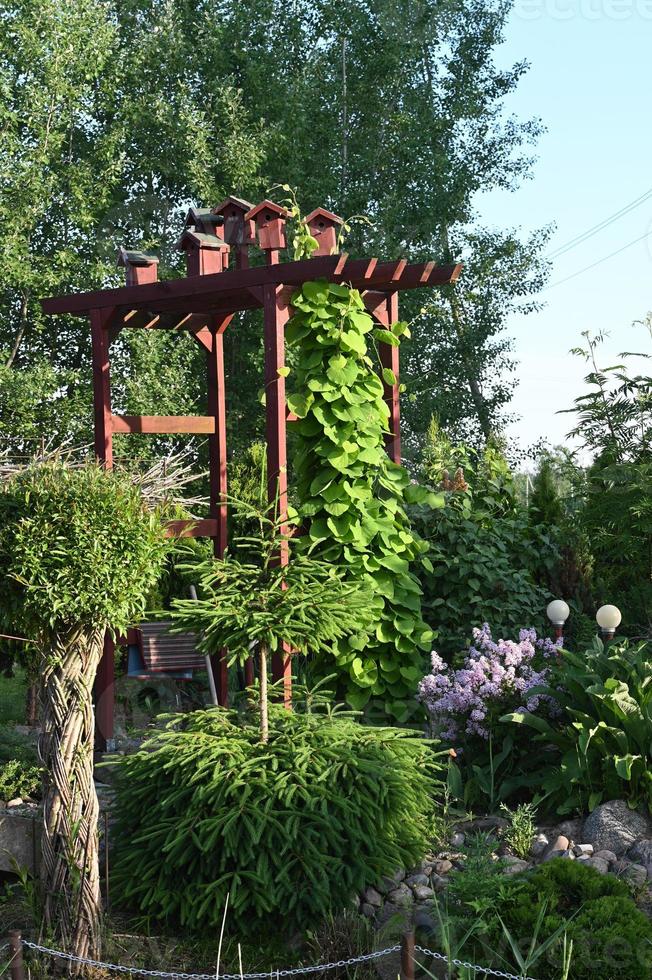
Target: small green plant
pixel 522 829
pixel 290 830
pixel 17 780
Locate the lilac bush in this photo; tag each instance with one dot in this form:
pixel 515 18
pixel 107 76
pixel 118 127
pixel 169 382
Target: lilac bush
pixel 496 678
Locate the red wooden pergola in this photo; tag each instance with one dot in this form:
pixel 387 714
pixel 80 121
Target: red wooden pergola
pixel 218 284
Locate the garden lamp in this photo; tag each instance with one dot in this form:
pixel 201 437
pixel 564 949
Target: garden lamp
pixel 558 612
pixel 608 619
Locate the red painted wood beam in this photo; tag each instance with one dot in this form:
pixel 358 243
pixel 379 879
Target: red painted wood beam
pixel 174 424
pixel 204 528
pixel 229 290
pixel 105 679
pixel 216 406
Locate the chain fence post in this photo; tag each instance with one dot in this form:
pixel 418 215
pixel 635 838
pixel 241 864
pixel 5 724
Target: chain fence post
pixel 16 965
pixel 407 955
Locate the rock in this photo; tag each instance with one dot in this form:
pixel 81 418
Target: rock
pixel 641 852
pixel 583 849
pixel 635 874
pixel 539 845
pixel 568 855
pixel 367 910
pixel 422 893
pixel 457 840
pixel 570 828
pixel 442 867
pixel 583 858
pixel 20 840
pixel 485 823
pixel 438 883
pixel 551 855
pixel 514 865
pixel 401 896
pixel 598 864
pixel 607 856
pixel 559 843
pixel 372 897
pixel 17 801
pixel 415 880
pixel 613 826
pixel 389 882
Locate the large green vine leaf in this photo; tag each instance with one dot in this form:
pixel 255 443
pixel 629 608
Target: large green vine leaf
pixel 351 495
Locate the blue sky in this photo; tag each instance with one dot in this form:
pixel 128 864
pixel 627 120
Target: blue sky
pixel 590 82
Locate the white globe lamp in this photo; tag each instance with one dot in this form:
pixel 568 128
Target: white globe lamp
pixel 608 619
pixel 558 612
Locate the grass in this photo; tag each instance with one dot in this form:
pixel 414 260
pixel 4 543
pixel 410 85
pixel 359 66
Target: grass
pixel 13 692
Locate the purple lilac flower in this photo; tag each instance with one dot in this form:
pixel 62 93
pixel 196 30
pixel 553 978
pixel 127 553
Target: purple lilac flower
pixel 494 679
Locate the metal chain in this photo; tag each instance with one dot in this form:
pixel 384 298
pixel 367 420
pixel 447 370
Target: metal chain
pixel 297 971
pixel 471 966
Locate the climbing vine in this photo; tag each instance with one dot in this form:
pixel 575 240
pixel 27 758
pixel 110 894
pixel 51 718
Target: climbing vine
pixel 351 495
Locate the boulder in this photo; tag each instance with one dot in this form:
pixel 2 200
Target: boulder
pixel 367 910
pixel 641 852
pixel 414 880
pixel 581 850
pixel 422 893
pixel 607 856
pixel 635 874
pixel 372 897
pixel 514 865
pixel 442 867
pixel 539 845
pixel 598 864
pixel 20 840
pixel 613 826
pixel 401 896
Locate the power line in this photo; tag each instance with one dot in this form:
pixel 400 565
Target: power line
pixel 598 262
pixel 584 236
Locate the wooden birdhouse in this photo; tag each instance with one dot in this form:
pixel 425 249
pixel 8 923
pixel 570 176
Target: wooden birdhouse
pixel 269 219
pixel 139 266
pixel 324 227
pixel 206 252
pixel 235 230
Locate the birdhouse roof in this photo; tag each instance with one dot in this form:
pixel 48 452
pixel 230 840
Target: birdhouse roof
pixel 266 206
pixel 128 257
pixel 327 215
pixel 203 216
pixel 199 239
pixel 243 206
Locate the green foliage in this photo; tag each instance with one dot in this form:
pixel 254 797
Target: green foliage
pixel 486 557
pixel 290 830
pixel 522 829
pixel 613 505
pixel 14 746
pixel 352 494
pixel 602 736
pixel 304 603
pixel 611 937
pixel 76 546
pixel 16 779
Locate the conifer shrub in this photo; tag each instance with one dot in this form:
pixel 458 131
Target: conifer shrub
pixel 290 830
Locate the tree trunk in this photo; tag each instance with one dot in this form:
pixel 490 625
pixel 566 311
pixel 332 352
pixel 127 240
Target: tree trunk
pixel 31 704
pixel 264 713
pixel 69 866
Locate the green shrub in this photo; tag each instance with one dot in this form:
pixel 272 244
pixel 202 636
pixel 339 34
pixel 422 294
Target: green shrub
pixel 17 779
pixel 289 830
pixel 487 558
pixel 13 745
pixel 602 736
pixel 611 937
